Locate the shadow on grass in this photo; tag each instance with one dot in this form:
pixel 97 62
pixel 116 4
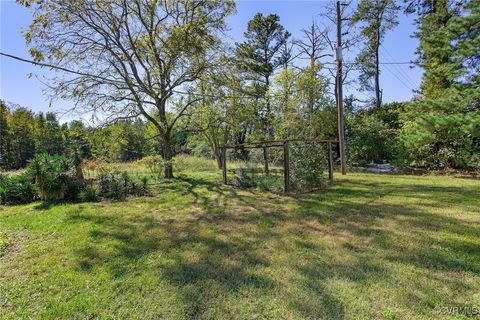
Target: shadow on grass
pixel 209 258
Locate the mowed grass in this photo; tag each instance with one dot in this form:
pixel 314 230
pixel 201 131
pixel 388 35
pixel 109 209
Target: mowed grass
pixel 370 247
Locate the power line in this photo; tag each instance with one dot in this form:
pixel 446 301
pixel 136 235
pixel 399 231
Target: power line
pixel 387 63
pixel 399 79
pixel 400 70
pixel 395 69
pixel 40 64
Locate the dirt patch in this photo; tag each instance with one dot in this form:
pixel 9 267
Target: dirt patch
pixel 11 243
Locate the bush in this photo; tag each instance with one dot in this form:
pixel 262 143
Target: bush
pixel 89 194
pixel 242 179
pixel 155 165
pixel 144 181
pixel 16 189
pixel 307 164
pixel 369 139
pixel 96 166
pixel 116 185
pixel 55 177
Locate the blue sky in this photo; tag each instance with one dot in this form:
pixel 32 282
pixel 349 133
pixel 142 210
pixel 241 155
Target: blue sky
pixel 397 81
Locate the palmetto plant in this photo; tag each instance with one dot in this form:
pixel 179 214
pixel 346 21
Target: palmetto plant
pixel 51 175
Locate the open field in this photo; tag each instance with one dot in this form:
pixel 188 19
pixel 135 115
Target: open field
pixel 372 246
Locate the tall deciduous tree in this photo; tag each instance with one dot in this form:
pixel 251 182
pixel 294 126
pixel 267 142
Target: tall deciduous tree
pixel 375 18
pixel 129 56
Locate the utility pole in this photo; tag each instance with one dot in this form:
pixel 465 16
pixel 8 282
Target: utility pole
pixel 339 90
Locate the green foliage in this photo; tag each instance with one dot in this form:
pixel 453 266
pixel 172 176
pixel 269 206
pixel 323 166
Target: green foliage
pixel 89 194
pixel 128 141
pixel 48 136
pixel 22 138
pixel 117 185
pixel 144 181
pixel 16 189
pixel 445 134
pixel 5 152
pixel 442 128
pixel 369 139
pixel 376 18
pixel 168 44
pixel 55 177
pixel 307 165
pixel 259 56
pixel 76 136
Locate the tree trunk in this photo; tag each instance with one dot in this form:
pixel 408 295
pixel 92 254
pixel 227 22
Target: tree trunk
pixel 167 157
pixel 267 130
pixel 218 155
pixel 265 159
pixel 378 95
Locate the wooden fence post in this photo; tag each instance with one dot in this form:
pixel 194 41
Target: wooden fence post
pixel 224 164
pixel 286 167
pixel 330 163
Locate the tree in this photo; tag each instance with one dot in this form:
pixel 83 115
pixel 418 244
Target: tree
pixel 350 39
pixel 288 120
pixel 48 136
pixel 443 127
pixel 259 56
pixel 312 46
pixel 128 141
pixel 4 136
pixel 21 125
pixel 77 139
pixel 223 110
pixel 375 17
pixel 127 57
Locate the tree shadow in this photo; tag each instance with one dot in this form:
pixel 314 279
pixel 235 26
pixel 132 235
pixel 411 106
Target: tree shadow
pixel 220 252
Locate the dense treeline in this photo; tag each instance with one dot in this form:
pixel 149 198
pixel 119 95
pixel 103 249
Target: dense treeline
pixel 25 134
pixel 200 93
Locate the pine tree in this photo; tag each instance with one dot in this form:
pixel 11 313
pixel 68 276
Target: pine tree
pixel 259 56
pixel 443 129
pixel 375 17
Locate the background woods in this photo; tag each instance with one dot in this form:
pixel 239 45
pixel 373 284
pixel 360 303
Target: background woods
pixel 163 81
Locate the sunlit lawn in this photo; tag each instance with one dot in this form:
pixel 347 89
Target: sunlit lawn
pixel 371 246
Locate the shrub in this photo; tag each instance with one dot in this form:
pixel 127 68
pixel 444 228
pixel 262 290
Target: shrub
pixel 242 179
pixel 55 177
pixel 307 164
pixel 144 181
pixel 369 139
pixel 116 185
pixel 16 189
pixel 89 194
pixel 154 164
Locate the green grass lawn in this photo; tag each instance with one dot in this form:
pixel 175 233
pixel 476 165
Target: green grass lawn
pixel 371 246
